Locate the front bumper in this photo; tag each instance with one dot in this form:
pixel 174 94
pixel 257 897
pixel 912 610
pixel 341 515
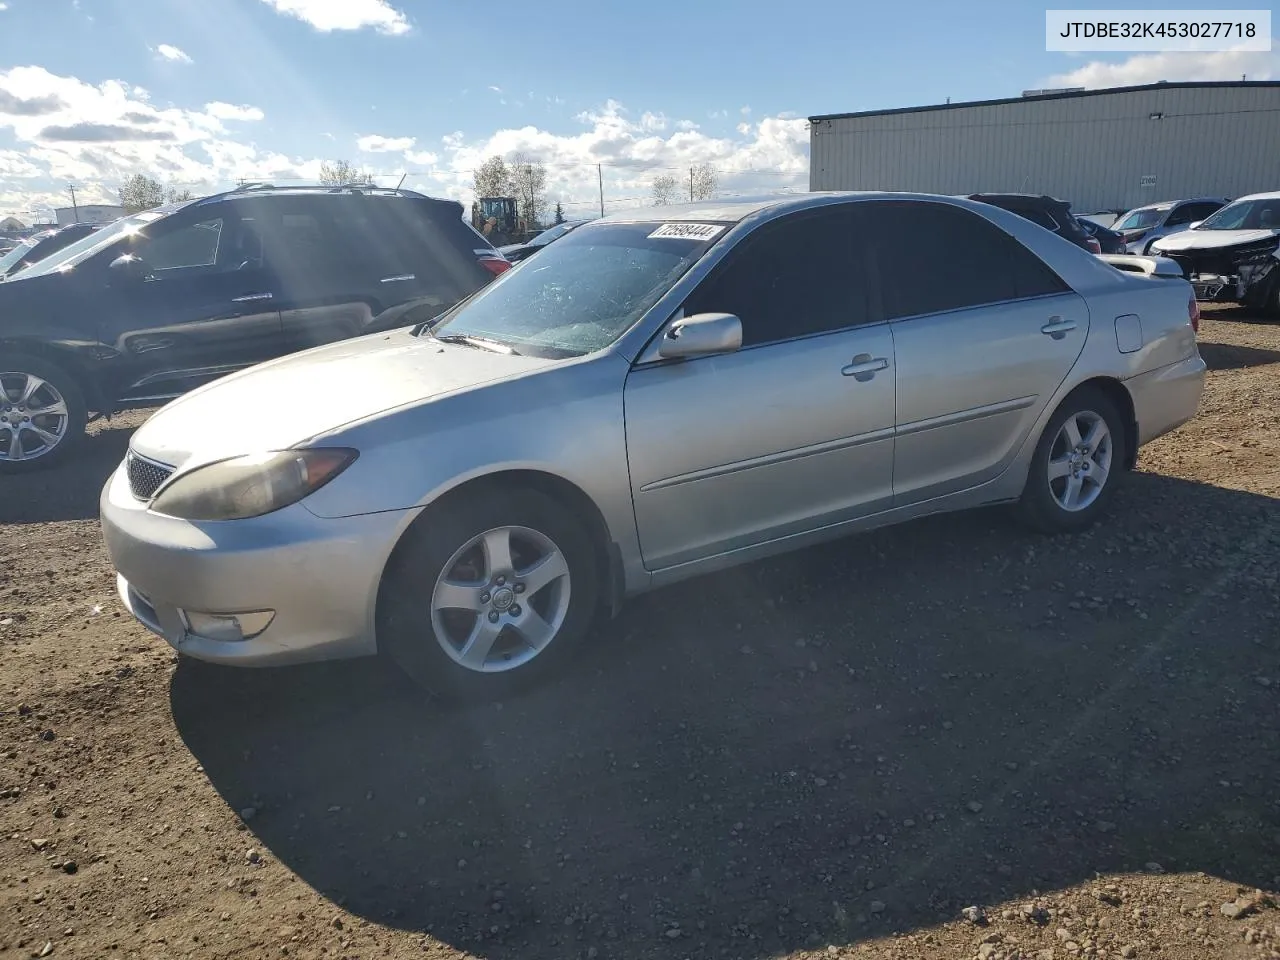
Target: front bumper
pixel 318 577
pixel 1230 276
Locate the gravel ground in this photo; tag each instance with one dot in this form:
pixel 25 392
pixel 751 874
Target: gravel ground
pixel 951 739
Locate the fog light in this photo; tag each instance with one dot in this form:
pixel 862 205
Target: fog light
pixel 228 627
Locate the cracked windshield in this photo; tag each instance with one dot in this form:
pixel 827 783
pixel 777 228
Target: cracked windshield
pixel 612 483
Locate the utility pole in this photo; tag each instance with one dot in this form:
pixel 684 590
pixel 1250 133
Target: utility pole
pixel 600 181
pixel 75 208
pixel 691 184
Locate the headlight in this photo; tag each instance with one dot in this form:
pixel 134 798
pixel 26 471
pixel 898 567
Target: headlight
pixel 250 486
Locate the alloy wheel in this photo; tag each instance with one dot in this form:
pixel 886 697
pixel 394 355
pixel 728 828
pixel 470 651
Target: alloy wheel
pixel 33 416
pixel 1080 461
pixel 501 599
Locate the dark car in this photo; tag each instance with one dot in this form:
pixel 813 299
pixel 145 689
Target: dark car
pixel 1050 212
pixel 40 245
pixel 160 302
pixel 1108 240
pixel 522 251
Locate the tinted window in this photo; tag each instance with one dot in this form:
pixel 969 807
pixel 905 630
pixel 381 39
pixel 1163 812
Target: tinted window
pixel 1183 215
pixel 1039 216
pixel 1142 219
pixel 932 257
pixel 1198 211
pixel 195 245
pixel 1261 214
pixel 797 276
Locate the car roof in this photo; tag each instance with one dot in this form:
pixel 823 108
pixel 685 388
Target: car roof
pixel 1017 199
pixel 736 209
pixel 1274 195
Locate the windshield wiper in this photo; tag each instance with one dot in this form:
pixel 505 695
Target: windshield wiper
pixel 484 343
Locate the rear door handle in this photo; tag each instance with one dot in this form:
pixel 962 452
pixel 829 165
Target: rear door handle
pixel 864 366
pixel 249 297
pixel 1058 328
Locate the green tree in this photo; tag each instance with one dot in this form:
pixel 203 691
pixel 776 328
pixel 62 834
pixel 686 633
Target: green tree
pixel 140 192
pixel 493 179
pixel 559 213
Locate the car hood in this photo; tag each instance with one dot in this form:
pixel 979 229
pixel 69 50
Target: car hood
pixel 1212 239
pixel 285 402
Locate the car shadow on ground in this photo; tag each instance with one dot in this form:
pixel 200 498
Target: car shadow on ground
pixel 854 739
pixel 70 490
pixel 1221 356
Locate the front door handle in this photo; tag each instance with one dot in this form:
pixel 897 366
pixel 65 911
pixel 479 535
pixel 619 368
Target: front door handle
pixel 865 366
pixel 1058 328
pixel 247 298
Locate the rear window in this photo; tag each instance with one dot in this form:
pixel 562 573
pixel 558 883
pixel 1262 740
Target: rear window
pixel 585 290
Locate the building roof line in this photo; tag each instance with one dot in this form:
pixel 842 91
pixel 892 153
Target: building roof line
pixel 1064 95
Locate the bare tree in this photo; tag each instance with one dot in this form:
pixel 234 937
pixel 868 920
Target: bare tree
pixel 530 179
pixel 178 196
pixel 703 182
pixel 341 172
pixel 493 179
pixel 666 189
pixel 140 192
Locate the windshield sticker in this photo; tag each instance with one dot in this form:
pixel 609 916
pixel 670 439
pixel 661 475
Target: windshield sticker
pixel 688 231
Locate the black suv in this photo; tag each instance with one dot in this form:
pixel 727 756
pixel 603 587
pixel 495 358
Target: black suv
pixel 158 303
pixel 1050 212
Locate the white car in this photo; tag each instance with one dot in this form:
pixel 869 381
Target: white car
pixel 1231 257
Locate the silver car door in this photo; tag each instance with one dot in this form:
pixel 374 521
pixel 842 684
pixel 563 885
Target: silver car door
pixel 982 340
pixel 793 431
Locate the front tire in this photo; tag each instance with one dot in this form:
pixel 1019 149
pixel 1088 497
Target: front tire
pixel 488 595
pixel 42 413
pixel 1077 465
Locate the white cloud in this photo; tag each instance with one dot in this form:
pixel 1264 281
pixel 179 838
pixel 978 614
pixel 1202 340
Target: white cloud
pixel 376 144
pixel 495 89
pixel 3 7
pixel 15 166
pixel 329 15
pixel 686 125
pixel 744 128
pixel 1154 67
pixel 232 111
pixel 174 54
pixel 423 158
pixel 745 111
pixel 653 122
pixel 772 156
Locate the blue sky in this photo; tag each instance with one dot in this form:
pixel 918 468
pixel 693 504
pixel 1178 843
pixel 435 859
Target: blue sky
pixel 200 92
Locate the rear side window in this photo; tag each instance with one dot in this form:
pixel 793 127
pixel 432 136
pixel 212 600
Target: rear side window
pixel 796 276
pixel 932 257
pixel 1041 217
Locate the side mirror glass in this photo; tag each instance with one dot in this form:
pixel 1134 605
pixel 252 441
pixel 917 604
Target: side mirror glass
pixel 701 335
pixel 128 266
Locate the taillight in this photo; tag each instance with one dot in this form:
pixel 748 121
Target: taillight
pixel 1094 245
pixel 1193 313
pixel 495 265
pixel 1131 235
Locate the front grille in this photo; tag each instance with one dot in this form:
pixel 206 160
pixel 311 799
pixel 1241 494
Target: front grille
pixel 145 476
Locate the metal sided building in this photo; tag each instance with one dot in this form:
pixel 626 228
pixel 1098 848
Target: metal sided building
pixel 1111 149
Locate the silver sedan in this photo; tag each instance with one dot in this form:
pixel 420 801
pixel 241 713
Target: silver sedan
pixel 658 394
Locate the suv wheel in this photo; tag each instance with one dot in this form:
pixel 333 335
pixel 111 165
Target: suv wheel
pixel 488 595
pixel 1077 464
pixel 42 413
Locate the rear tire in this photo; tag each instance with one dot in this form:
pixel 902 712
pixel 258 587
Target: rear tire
pixel 42 414
pixel 488 595
pixel 1078 463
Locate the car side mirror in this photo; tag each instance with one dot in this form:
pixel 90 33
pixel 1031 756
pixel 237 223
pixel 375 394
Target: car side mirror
pixel 129 267
pixel 701 335
pixel 1193 224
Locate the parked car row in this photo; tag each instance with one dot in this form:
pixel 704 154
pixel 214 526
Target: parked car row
pixel 156 304
pixel 661 393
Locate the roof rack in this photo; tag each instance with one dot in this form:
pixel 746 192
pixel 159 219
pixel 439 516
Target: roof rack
pixel 356 188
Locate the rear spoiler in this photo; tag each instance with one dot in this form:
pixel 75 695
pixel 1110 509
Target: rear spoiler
pixel 1147 266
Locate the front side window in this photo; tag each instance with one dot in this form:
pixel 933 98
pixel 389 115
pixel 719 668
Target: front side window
pixel 195 245
pixel 581 293
pixel 801 275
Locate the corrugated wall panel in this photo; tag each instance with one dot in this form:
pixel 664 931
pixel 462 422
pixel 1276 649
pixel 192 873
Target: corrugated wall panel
pixel 1093 151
